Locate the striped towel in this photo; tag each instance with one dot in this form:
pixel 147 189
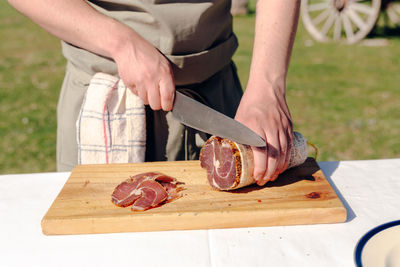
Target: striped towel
pixel 111 127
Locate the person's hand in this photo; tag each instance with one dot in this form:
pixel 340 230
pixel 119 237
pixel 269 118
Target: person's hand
pixel 145 71
pixel 140 65
pixel 265 111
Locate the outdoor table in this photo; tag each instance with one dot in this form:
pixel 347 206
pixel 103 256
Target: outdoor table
pixel 370 190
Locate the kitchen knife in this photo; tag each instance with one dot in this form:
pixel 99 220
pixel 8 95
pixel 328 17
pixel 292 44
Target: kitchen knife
pixel 200 117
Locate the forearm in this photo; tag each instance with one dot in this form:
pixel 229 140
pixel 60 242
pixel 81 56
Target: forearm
pixel 263 107
pixel 76 22
pixel 140 65
pixel 276 23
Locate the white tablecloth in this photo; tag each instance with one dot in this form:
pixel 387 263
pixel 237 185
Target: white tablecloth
pixel 370 190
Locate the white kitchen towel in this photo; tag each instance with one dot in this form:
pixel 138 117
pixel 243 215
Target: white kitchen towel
pixel 111 127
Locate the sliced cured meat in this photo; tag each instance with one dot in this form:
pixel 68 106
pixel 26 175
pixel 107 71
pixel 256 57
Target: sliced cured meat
pixel 230 165
pixel 172 190
pixel 126 192
pixel 152 194
pixel 146 190
pixel 170 184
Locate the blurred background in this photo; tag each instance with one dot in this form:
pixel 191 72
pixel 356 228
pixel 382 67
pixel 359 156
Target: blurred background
pixel 343 86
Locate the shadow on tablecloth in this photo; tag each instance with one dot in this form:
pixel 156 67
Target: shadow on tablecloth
pixel 328 168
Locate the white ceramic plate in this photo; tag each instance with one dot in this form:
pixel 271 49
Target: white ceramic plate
pixel 380 247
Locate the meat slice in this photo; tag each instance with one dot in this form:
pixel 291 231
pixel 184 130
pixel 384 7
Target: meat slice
pixel 152 194
pixel 172 189
pixel 146 190
pixel 127 192
pixel 230 165
pixel 221 158
pixel 170 184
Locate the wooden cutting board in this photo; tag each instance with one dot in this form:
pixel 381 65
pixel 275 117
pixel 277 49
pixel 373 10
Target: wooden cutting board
pixel 301 195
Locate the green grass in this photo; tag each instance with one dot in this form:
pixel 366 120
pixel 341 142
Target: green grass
pixel 31 72
pixel 345 99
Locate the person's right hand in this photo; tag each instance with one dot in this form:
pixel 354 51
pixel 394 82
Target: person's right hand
pixel 140 65
pixel 146 72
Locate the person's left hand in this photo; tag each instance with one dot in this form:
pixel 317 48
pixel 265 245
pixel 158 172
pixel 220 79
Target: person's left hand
pixel 264 110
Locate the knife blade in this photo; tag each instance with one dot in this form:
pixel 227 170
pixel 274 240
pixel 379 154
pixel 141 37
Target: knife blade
pixel 203 118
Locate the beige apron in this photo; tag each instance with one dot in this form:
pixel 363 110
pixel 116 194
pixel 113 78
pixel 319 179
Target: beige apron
pixel 197 38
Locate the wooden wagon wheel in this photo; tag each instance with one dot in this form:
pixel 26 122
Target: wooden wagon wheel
pixel 346 21
pixel 392 10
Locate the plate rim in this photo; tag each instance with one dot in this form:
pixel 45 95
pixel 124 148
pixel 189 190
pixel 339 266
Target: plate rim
pixel 367 236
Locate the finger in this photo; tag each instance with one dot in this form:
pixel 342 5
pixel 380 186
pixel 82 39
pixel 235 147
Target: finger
pixel 288 148
pixel 273 154
pixel 167 92
pixel 153 95
pixel 260 164
pixel 281 159
pixel 143 95
pixel 133 90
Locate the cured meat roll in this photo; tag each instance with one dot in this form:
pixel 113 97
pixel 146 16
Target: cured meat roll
pixel 230 165
pixel 145 191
